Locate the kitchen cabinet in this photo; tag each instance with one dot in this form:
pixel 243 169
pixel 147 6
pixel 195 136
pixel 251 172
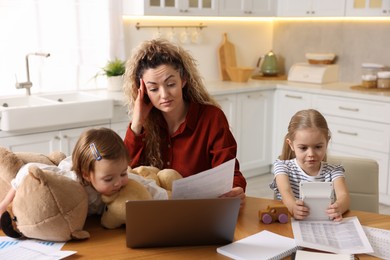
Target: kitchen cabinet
pixel 120 120
pixel 359 128
pixel 45 142
pixel 171 7
pixel 253 131
pixel 250 117
pixel 287 103
pixel 304 8
pixel 228 105
pixel 368 8
pixel 257 8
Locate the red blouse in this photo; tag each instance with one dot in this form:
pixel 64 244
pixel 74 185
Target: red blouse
pixel 203 141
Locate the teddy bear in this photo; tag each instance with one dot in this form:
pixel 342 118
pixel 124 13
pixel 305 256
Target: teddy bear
pixel 46 206
pixel 115 211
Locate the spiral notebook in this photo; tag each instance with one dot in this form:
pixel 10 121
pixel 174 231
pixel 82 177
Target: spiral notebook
pixel 262 245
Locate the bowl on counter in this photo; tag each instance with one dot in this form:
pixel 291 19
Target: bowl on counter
pixel 240 74
pixel 320 58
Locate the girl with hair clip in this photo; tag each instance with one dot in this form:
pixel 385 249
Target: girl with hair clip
pixel 99 162
pixel 175 122
pixel 303 158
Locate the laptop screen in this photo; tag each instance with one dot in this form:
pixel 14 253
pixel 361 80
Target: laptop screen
pixel 181 222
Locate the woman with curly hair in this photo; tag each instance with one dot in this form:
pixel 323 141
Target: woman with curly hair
pixel 175 122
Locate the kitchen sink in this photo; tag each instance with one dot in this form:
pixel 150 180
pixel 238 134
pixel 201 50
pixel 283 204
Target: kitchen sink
pixel 22 102
pixel 50 110
pixel 69 97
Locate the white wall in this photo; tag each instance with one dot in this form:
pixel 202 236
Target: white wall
pixel 251 39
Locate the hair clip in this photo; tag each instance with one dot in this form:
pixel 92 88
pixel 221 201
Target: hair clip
pixel 95 152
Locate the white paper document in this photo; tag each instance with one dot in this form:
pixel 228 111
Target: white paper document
pixel 208 184
pixel 379 240
pixel 31 249
pixel 345 237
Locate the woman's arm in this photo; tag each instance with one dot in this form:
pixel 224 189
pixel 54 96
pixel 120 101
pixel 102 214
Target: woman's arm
pixel 295 206
pixel 341 205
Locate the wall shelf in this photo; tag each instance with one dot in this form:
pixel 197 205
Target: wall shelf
pixel 200 26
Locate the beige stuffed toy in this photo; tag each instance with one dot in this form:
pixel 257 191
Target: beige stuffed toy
pixel 115 212
pixel 46 206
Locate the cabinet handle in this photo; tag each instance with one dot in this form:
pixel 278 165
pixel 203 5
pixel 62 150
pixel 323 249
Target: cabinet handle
pixel 349 109
pixel 292 96
pixel 183 10
pixel 247 12
pixel 57 138
pixel 347 133
pixel 254 96
pixel 65 136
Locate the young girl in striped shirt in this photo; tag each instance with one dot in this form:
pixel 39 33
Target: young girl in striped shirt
pixel 303 158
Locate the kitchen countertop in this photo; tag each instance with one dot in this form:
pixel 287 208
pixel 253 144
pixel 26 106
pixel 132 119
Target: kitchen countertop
pixel 340 89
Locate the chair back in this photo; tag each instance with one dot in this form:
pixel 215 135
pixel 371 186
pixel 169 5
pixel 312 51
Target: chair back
pixel 361 176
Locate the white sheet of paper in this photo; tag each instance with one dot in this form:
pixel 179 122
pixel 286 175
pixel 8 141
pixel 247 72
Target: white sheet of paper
pixel 208 184
pixel 33 250
pixel 345 237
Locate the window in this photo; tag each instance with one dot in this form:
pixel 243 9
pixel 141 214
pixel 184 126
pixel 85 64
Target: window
pixel 80 35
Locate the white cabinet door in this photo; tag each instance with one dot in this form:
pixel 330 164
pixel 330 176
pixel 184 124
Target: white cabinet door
pixel 69 137
pixel 254 128
pixel 287 103
pixel 311 8
pixel 170 7
pixel 198 7
pixel 228 106
pixel 44 143
pixel 258 8
pixel 368 8
pixel 150 7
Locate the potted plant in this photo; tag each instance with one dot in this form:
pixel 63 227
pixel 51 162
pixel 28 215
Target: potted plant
pixel 114 70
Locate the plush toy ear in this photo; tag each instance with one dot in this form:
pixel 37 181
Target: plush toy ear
pixel 148 172
pixel 166 178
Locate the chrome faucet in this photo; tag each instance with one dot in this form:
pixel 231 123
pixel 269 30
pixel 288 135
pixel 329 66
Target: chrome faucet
pixel 28 84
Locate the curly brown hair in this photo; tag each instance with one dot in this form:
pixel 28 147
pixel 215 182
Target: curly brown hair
pixel 150 55
pixel 304 119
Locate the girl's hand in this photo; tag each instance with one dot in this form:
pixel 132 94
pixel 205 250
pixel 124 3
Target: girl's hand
pixel 299 211
pixel 334 213
pixel 236 192
pixel 142 107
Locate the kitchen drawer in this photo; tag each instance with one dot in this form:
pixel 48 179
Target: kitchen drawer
pixel 359 134
pixel 353 108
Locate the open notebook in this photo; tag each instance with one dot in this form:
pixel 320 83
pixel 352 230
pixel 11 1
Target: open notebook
pixel 262 245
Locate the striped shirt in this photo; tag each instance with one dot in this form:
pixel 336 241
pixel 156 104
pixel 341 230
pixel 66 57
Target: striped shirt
pixel 327 173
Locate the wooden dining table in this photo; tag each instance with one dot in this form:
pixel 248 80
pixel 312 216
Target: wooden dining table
pixel 111 244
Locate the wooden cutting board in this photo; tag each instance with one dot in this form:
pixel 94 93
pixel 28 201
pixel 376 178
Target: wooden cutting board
pixel 226 57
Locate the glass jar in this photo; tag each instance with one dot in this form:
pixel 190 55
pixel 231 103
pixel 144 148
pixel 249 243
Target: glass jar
pixel 383 79
pixel 370 74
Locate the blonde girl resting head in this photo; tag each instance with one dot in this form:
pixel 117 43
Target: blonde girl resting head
pixel 303 158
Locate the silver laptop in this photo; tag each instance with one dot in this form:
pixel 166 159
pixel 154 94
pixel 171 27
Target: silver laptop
pixel 181 222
